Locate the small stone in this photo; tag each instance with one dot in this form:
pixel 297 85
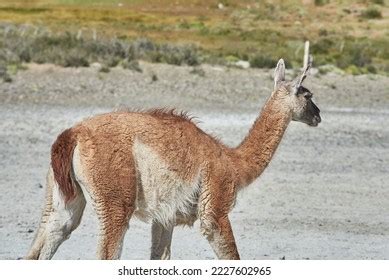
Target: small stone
pixel 242 64
pixel 96 65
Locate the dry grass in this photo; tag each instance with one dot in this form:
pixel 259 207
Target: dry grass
pixel 30 44
pixel 245 29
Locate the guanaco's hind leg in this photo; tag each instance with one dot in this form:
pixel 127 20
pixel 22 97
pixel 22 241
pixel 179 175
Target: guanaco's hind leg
pixel 111 183
pixel 57 222
pixel 114 221
pixel 38 242
pixel 161 241
pixel 108 176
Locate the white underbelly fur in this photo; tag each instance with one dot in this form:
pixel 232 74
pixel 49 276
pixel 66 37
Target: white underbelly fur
pixel 161 193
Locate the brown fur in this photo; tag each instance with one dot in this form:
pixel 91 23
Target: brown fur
pixel 61 162
pixel 106 143
pixel 172 113
pixel 126 160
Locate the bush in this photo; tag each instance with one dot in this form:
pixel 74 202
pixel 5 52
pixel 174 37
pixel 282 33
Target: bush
pixel 154 77
pixel 70 51
pixel 369 54
pixel 379 2
pixel 197 71
pixel 321 2
pixel 132 65
pixel 75 59
pixel 329 68
pixel 357 53
pixel 353 70
pixel 261 61
pixel 323 45
pixel 4 75
pixel 166 53
pixel 371 69
pixel 323 32
pixel 371 13
pixel 104 69
pixel 231 59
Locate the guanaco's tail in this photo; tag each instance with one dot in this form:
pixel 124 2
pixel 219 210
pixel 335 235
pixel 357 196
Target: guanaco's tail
pixel 61 162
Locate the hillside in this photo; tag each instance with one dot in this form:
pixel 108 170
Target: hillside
pixel 352 35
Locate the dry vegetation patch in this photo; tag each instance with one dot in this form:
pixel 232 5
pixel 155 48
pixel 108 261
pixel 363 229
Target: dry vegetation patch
pixel 347 34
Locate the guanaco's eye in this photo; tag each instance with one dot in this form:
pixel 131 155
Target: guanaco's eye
pixel 307 95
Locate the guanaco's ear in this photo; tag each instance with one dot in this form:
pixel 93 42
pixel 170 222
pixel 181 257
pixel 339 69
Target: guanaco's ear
pixel 279 73
pixel 300 79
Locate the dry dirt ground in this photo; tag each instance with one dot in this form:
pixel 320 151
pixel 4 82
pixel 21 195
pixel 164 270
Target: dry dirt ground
pixel 325 195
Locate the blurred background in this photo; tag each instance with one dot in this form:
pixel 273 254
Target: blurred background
pixel 349 35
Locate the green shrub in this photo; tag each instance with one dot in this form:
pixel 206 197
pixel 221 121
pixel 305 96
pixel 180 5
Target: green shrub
pixel 353 70
pixel 75 59
pixel 371 69
pixel 321 2
pixel 323 32
pixel 167 53
pixel 367 54
pixel 371 13
pixel 197 71
pixel 104 69
pixel 69 51
pixel 112 61
pixel 132 65
pixel 323 45
pixel 356 53
pixel 329 68
pixel 262 61
pixel 231 59
pixel 154 77
pixel 378 2
pixel 4 75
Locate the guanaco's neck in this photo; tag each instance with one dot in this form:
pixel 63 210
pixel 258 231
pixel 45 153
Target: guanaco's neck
pixel 256 150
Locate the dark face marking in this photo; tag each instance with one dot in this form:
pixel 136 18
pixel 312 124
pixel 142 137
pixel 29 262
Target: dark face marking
pixel 306 111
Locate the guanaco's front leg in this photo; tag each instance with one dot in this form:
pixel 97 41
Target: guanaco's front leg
pixel 222 241
pixel 216 200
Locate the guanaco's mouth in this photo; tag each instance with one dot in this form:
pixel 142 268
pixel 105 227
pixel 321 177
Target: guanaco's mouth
pixel 315 121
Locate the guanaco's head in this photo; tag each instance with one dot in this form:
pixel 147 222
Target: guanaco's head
pixel 297 97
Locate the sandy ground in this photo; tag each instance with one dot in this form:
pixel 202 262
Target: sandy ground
pixel 325 194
